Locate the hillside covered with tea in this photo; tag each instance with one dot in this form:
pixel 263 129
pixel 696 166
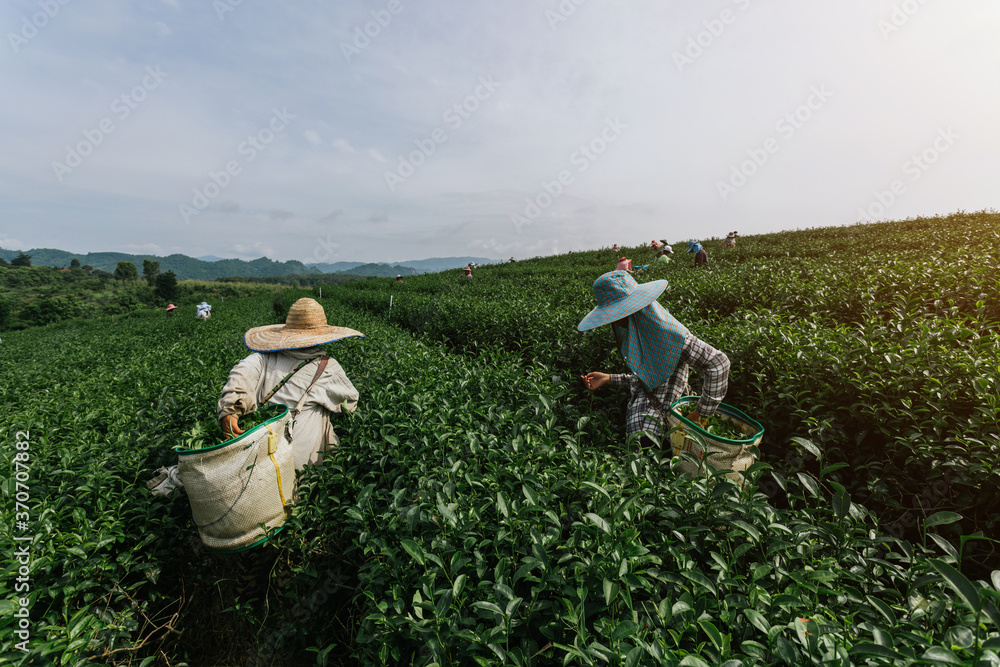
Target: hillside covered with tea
pixel 486 509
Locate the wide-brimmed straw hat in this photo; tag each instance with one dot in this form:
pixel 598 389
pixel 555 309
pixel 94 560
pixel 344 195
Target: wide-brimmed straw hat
pixel 171 307
pixel 619 295
pixel 305 326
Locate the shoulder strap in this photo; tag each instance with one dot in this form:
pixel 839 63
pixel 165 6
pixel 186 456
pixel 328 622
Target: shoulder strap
pixel 323 361
pixel 289 377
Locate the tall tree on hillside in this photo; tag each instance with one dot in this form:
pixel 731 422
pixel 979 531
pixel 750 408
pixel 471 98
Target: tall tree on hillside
pixel 126 271
pixel 150 270
pixel 166 286
pixel 21 260
pixel 74 263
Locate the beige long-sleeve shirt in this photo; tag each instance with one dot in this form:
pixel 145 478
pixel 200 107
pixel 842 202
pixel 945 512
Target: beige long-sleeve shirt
pixel 252 378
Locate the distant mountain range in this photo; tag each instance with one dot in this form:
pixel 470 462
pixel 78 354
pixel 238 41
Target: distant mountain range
pixel 210 267
pixel 418 265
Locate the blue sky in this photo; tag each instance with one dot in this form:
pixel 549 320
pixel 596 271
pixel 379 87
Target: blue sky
pixel 394 130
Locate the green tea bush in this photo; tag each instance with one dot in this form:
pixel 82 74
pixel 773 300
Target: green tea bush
pixel 483 508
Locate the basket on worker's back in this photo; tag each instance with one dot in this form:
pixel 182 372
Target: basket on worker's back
pixel 721 453
pixel 240 489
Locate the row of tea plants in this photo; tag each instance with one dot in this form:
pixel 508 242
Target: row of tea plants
pixel 878 341
pixel 483 509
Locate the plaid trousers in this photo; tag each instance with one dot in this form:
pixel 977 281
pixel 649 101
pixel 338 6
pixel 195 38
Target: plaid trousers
pixel 712 366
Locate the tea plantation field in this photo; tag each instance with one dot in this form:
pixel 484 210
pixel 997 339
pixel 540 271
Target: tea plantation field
pixel 485 509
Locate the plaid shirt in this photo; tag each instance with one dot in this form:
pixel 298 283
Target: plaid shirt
pixel 711 364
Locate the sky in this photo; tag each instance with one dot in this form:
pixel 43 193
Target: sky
pixel 394 130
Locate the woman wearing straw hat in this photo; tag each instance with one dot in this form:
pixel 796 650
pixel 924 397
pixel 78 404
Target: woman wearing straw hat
pixel 658 349
pixel 280 351
pixel 271 375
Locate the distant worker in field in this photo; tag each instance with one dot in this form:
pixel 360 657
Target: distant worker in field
pixel 663 253
pixel 170 309
pixel 730 240
pixel 658 349
pixel 700 256
pixel 615 249
pixel 203 311
pixel 624 264
pixel 272 375
pixel 468 271
pixel 399 278
pixel 512 260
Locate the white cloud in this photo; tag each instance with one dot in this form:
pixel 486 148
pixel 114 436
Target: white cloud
pixel 253 251
pixel 342 145
pixel 206 126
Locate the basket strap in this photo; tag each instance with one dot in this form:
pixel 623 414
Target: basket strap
pixel 287 378
pixel 271 438
pixel 323 361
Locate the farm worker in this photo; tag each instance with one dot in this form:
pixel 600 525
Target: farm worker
pixel 170 309
pixel 468 271
pixel 700 256
pixel 203 311
pixel 512 260
pixel 278 349
pixel 624 264
pixel 661 254
pixel 615 249
pixel 658 349
pixel 399 278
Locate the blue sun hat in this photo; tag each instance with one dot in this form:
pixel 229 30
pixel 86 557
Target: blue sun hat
pixel 694 246
pixel 619 295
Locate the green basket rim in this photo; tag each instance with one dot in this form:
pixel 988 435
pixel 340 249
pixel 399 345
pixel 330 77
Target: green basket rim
pixel 725 409
pixel 226 443
pixel 259 542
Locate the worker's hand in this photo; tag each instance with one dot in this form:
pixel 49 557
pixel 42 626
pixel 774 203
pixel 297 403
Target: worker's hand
pixel 595 380
pixel 230 426
pixel 697 419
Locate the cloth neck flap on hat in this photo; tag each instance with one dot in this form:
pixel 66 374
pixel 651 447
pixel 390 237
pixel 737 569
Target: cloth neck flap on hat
pixel 651 340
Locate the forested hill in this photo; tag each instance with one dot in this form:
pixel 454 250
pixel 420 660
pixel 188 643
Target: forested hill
pixel 186 268
pixel 190 268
